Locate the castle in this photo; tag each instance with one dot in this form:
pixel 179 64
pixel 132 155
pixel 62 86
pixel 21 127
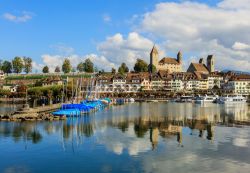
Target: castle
pixel 166 63
pixel 201 67
pixel 173 65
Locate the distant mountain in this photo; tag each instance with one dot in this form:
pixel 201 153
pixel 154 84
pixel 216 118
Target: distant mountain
pixel 235 71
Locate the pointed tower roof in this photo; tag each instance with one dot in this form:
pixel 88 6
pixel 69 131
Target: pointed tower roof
pixel 154 49
pixel 179 53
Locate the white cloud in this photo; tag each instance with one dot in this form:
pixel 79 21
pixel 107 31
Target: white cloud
pixel 24 17
pixel 240 46
pixel 233 4
pixel 199 29
pixel 57 60
pixel 118 49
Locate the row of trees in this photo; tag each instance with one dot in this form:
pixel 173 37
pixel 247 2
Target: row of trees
pixel 17 65
pixel 86 66
pixel 140 66
pixel 24 64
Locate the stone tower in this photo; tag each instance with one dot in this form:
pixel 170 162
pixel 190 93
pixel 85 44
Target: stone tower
pixel 154 55
pixel 210 63
pixel 179 57
pixel 201 61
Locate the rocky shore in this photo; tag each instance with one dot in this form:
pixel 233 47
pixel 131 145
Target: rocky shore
pixel 31 117
pixel 30 114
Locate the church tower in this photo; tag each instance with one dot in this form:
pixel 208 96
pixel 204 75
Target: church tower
pixel 210 63
pixel 179 57
pixel 154 55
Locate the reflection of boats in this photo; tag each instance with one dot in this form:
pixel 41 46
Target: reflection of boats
pixel 205 99
pixel 184 99
pixel 232 99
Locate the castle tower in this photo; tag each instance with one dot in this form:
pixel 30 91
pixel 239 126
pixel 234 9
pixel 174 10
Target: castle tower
pixel 179 57
pixel 154 55
pixel 210 63
pixel 201 61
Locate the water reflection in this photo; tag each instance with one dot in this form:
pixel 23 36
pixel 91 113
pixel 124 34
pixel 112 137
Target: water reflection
pixel 163 120
pixel 158 132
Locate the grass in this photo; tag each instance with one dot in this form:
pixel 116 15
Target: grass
pixel 43 76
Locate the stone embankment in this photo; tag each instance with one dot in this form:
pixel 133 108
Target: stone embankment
pixel 42 113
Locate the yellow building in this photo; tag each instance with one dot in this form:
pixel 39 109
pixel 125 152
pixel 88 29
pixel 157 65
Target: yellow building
pixel 166 63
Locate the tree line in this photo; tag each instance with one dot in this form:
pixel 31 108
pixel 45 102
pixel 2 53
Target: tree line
pixel 86 66
pixel 17 65
pixel 24 64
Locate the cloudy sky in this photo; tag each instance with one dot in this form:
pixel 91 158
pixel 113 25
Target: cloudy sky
pixel 110 31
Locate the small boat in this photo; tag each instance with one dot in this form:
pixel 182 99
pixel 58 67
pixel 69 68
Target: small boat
pixel 184 99
pixel 205 99
pixel 232 99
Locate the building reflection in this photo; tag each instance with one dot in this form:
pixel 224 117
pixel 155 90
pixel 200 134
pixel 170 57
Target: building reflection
pixel 152 123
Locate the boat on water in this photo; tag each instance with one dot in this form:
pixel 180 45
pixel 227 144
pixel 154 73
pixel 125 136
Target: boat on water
pixel 205 99
pixel 184 99
pixel 231 99
pixel 86 106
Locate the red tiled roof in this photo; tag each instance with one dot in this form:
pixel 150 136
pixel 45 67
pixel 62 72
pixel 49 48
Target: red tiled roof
pixel 200 67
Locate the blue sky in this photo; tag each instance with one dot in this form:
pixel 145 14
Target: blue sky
pixel 47 30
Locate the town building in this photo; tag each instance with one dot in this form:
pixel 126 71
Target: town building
pixel 238 84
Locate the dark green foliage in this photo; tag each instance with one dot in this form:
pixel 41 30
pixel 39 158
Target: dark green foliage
pixel 46 69
pixel 123 68
pixel 66 67
pixel 141 66
pixel 17 64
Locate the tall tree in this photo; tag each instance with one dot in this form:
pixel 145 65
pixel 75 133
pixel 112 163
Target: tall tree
pixel 17 64
pixel 7 67
pixel 152 68
pixel 66 67
pixel 46 69
pixel 140 66
pixel 27 64
pixel 57 69
pixel 80 67
pixel 89 66
pixel 123 68
pixel 113 71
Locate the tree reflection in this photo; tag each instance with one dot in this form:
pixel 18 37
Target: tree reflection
pixel 35 136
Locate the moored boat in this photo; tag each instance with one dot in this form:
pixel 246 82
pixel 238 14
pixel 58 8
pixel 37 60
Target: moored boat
pixel 232 99
pixel 205 99
pixel 184 99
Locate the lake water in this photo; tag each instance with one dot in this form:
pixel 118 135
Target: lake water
pixel 138 137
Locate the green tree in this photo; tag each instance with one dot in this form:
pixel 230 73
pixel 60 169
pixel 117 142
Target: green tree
pixel 57 69
pixel 123 68
pixel 89 66
pixel 17 64
pixel 27 64
pixel 113 71
pixel 6 67
pixel 66 67
pixel 152 68
pixel 140 66
pixel 46 69
pixel 80 67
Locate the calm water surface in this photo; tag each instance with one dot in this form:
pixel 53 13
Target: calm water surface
pixel 139 137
